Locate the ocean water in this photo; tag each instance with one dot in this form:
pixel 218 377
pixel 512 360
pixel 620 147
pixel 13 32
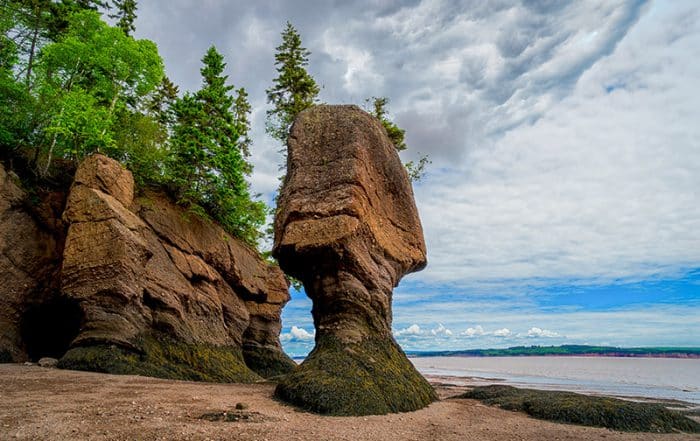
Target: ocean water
pixel 666 378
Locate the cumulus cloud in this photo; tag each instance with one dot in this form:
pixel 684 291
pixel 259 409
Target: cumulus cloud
pixel 297 334
pixel 472 332
pixel 537 332
pixel 503 332
pixel 441 330
pixel 414 329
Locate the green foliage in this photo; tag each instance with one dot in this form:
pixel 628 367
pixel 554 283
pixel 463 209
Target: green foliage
pixel 366 378
pixel 416 170
pixel 103 60
pixel 207 168
pixel 125 15
pixel 14 98
pixel 83 80
pixel 163 357
pixel 241 112
pixel 569 407
pixel 81 126
pixel 294 89
pixel 396 134
pixel 141 145
pixel 160 103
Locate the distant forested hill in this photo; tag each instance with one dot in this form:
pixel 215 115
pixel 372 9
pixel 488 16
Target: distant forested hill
pixel 564 350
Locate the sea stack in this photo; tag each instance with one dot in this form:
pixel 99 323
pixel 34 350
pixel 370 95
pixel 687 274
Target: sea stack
pixel 348 228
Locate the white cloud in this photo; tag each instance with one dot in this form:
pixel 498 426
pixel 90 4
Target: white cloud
pixel 414 329
pixel 472 332
pixel 538 332
pixel 601 188
pixel 503 332
pixel 441 330
pixel 297 334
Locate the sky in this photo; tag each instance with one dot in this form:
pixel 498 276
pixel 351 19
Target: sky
pixel 562 204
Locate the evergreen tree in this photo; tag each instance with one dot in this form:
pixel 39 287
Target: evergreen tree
pixel 241 111
pixel 125 15
pixel 208 166
pixel 160 103
pixel 294 89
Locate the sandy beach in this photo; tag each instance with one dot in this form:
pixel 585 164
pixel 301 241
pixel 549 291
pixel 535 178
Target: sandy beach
pixel 39 403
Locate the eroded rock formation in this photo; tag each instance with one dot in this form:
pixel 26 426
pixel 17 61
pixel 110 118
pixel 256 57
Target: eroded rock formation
pixel 153 290
pixel 348 228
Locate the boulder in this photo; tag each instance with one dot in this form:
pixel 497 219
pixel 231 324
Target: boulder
pixel 348 228
pixel 47 362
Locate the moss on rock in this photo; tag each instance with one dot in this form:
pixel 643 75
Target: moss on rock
pixel 366 378
pixel 267 362
pixel 163 357
pixel 569 407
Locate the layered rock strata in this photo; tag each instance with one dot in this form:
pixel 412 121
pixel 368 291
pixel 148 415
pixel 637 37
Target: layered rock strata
pixel 156 291
pixel 348 228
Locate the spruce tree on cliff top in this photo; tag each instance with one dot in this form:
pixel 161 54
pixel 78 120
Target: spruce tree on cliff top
pixel 294 89
pixel 208 167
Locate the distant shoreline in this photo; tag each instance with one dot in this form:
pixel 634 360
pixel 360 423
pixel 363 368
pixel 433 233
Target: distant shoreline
pixel 567 351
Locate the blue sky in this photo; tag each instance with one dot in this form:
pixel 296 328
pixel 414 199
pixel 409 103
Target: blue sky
pixel 562 204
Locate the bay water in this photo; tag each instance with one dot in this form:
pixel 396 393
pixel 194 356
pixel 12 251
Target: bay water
pixel 656 378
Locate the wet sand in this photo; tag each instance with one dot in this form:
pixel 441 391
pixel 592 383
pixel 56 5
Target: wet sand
pixel 38 403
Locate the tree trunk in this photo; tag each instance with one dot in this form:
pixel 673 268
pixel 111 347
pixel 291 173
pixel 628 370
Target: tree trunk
pixel 53 144
pixel 30 63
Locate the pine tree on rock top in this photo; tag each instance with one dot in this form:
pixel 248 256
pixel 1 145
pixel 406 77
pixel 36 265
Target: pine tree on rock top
pixel 294 89
pixel 208 167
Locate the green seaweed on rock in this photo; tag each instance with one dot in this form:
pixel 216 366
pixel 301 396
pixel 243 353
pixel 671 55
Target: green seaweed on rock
pixel 366 378
pixel 268 363
pixel 163 357
pixel 569 407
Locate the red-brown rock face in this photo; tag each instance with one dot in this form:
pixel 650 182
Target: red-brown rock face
pixel 161 292
pixel 348 228
pixel 29 258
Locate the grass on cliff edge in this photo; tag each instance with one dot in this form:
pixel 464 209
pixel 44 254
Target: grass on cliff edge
pixel 163 357
pixel 569 407
pixel 372 377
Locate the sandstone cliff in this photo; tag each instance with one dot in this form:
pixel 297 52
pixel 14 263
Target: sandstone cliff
pixel 141 286
pixel 348 228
